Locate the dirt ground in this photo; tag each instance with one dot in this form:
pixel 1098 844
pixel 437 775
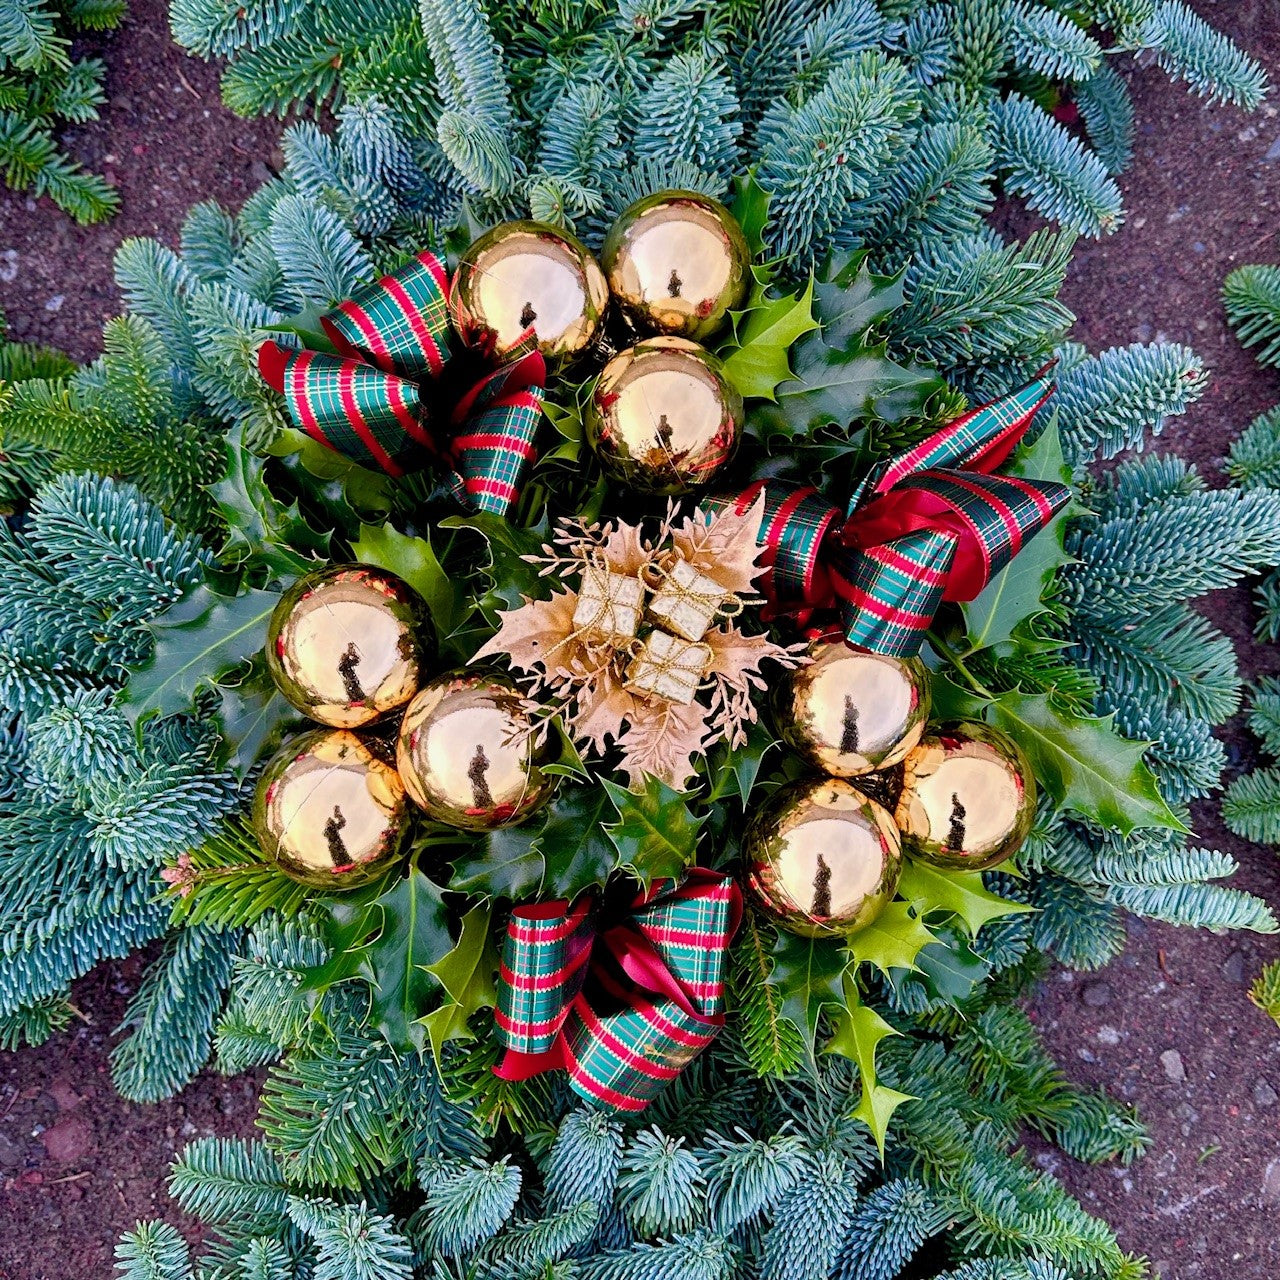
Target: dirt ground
pixel 1166 1026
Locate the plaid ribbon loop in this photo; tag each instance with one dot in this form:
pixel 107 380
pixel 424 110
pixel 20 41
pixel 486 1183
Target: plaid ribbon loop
pixel 931 525
pixel 378 400
pixel 625 1008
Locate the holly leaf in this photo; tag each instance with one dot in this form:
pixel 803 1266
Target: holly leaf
pixel 1015 595
pixel 734 770
pixel 751 209
pixel 807 974
pixel 252 718
pixel 391 939
pixel 892 940
pixel 506 863
pixel 848 299
pixel 261 531
pixel 1084 764
pixel 345 488
pixel 467 975
pixel 859 1030
pixel 840 385
pixel 577 849
pixel 950 969
pixel 951 701
pixel 765 332
pixel 414 560
pixel 512 577
pixel 199 639
pixel 656 834
pixel 958 893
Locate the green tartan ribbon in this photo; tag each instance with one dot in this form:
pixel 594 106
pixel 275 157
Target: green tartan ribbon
pixel 930 525
pixel 379 400
pixel 622 1009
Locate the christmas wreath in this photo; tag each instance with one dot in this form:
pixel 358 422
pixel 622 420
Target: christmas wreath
pixel 677 699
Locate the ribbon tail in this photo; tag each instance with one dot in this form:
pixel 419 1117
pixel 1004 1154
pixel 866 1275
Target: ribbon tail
pixel 493 453
pixel 890 592
pixel 400 323
pixel 980 440
pixel 544 963
pixel 365 414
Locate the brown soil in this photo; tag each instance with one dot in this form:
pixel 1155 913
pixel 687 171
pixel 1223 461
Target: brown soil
pixel 1166 1026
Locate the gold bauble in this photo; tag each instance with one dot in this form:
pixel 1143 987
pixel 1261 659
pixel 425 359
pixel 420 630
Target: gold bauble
pixel 822 858
pixel 678 263
pixel 968 797
pixel 329 811
pixel 850 711
pixel 347 644
pixel 528 274
pixel 467 755
pixel 663 418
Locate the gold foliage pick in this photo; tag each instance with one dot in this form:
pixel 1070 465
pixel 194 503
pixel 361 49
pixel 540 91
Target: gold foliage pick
pixel 584 672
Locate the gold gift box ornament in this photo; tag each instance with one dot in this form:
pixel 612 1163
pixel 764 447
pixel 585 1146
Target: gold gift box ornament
pixel 609 605
pixel 686 601
pixel 668 666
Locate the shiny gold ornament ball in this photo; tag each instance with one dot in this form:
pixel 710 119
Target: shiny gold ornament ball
pixel 467 754
pixel 663 419
pixel 329 811
pixel 822 858
pixel 678 263
pixel 347 644
pixel 968 797
pixel 525 275
pixel 850 711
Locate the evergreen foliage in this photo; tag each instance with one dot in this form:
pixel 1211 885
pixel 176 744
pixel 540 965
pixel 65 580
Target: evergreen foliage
pixel 42 89
pixel 695 90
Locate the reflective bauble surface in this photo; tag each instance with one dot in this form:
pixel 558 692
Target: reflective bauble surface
pixel 347 644
pixel 822 858
pixel 467 754
pixel 329 811
pixel 968 797
pixel 663 419
pixel 677 263
pixel 851 712
pixel 525 275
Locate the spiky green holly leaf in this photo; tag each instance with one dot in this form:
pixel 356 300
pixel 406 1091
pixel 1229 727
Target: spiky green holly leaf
pixel 390 936
pixel 252 717
pixel 565 758
pixel 952 701
pixel 892 940
pixel 202 637
pixel 958 893
pixel 807 975
pixel 467 974
pixel 1084 764
pixel 734 770
pixel 505 863
pixel 512 577
pixel 858 1031
pixel 576 847
pixel 656 834
pixel 751 208
pixel 765 332
pixel 414 560
pixel 348 492
pixel 950 969
pixel 261 530
pixel 839 386
pixel 848 298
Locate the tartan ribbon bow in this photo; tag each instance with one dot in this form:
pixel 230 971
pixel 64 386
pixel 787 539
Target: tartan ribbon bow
pixel 624 1008
pixel 379 400
pixel 931 525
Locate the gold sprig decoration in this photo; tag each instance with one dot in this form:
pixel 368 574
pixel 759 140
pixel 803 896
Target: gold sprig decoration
pixel 640 647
